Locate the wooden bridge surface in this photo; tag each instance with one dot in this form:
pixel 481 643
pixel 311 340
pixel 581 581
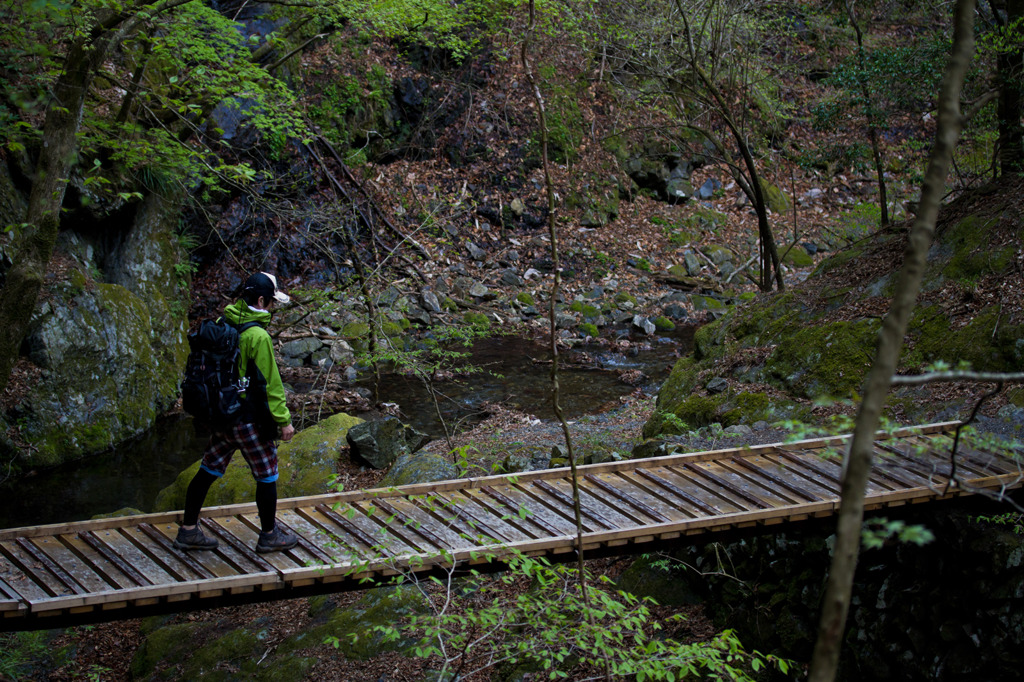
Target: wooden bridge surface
pixel 87 569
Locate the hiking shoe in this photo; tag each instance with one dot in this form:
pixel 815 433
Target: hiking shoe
pixel 277 540
pixel 193 539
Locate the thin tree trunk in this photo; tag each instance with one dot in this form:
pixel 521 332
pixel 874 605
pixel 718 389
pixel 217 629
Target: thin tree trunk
pixel 56 158
pixel 857 467
pixel 869 116
pixel 1010 66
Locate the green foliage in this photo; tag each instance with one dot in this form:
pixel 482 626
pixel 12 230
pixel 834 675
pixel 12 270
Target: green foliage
pixel 352 110
pixel 1013 521
pixel 192 60
pixel 564 119
pixel 875 532
pixel 22 652
pixel 551 628
pixel 589 329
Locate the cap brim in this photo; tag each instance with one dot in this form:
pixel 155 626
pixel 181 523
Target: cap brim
pixel 282 297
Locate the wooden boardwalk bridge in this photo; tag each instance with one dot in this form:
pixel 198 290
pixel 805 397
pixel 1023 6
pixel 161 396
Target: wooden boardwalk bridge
pixel 124 567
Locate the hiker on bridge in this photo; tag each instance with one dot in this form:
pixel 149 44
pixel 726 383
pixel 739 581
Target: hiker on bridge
pixel 265 418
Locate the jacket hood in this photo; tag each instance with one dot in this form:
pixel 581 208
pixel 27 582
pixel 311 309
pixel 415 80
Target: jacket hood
pixel 239 312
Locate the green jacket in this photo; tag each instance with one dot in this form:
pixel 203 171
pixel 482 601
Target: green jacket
pixel 265 394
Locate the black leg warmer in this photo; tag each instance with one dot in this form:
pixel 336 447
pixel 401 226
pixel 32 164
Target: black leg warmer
pixel 266 504
pixel 196 495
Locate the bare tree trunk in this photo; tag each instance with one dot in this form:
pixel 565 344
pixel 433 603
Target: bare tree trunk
pixel 1010 66
pixel 836 602
pixel 56 158
pixel 869 116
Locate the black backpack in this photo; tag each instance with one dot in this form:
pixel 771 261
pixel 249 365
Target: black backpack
pixel 211 388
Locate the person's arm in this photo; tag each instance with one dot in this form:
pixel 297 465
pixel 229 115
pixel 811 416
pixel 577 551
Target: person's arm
pixel 263 356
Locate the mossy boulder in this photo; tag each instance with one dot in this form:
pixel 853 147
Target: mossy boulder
pixel 477 320
pixel 774 197
pixel 797 258
pixel 306 463
pixel 419 467
pixel 963 251
pixel 355 330
pixel 198 651
pixel 825 360
pixel 987 342
pixel 356 628
pixel 105 374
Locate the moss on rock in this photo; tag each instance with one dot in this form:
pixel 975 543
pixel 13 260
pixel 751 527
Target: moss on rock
pixel 305 463
pixel 356 627
pixel 986 343
pixel 824 360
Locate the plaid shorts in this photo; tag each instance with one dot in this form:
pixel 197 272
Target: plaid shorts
pixel 260 454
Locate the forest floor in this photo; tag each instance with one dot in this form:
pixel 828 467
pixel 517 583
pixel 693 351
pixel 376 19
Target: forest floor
pixel 105 651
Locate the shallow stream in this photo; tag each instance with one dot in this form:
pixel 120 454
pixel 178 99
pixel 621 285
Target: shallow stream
pixel 514 372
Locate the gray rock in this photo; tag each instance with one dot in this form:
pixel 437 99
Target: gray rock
pixel 301 348
pixel 419 467
pixel 717 385
pixel 740 430
pixel 350 375
pixel 760 425
pixel 341 352
pixel 564 321
pixel 378 443
pixel 518 207
pixel 652 447
pixel 513 256
pixel 708 189
pixel 430 301
pixel 691 262
pixel 679 190
pixel 480 291
pixel 511 278
pixel 675 311
pixel 621 316
pixel 388 297
pixel 475 252
pixel 644 324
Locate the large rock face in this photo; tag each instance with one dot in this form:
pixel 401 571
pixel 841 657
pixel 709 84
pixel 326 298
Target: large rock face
pixel 947 610
pixel 306 464
pixel 109 338
pixel 782 351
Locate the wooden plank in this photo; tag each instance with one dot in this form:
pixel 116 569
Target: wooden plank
pixel 984 461
pixel 108 553
pixel 550 509
pixel 629 500
pixel 778 481
pixel 513 507
pixel 481 525
pixel 409 544
pixel 494 512
pixel 808 471
pixel 167 561
pixel 183 556
pixel 734 485
pixel 319 539
pixel 408 519
pixel 712 486
pixel 610 511
pixel 565 503
pixel 653 495
pixel 663 484
pixel 90 568
pixel 335 544
pixel 226 537
pixel 51 567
